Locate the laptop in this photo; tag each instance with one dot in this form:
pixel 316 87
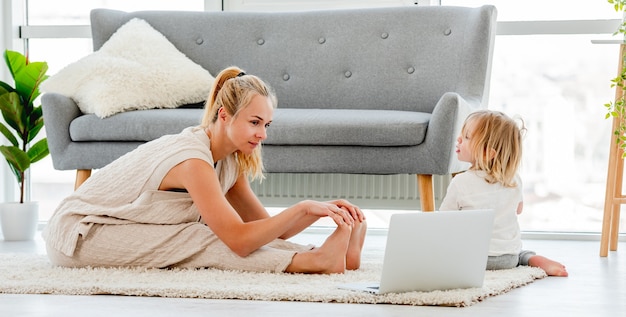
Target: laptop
pixel 428 251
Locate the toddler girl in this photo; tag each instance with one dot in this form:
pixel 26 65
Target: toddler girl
pixel 492 143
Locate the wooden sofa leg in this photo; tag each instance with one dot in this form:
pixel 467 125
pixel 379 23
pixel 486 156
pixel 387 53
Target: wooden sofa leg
pixel 81 177
pixel 426 191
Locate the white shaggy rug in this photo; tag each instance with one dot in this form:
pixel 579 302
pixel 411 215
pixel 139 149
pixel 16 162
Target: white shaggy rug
pixel 33 274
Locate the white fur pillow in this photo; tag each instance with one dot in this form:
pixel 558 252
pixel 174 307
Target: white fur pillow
pixel 137 68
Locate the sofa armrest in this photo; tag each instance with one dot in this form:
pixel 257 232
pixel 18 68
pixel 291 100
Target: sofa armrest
pixel 445 126
pixel 58 113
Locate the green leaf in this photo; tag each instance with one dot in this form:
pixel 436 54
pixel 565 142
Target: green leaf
pixel 14 61
pixel 28 81
pixel 27 76
pixel 36 115
pixel 35 123
pixel 7 133
pixel 34 130
pixel 38 151
pixel 18 174
pixel 4 88
pixel 11 108
pixel 17 158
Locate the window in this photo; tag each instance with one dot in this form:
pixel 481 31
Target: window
pixel 558 84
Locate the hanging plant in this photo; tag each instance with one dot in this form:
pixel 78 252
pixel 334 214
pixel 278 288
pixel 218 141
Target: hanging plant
pixel 616 109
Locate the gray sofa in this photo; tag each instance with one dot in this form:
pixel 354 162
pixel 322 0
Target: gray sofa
pixel 360 91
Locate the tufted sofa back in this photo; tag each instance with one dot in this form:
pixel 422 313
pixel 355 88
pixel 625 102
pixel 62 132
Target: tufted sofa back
pixel 403 57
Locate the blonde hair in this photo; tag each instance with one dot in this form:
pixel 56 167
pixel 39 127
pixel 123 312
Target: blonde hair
pixel 496 145
pixel 233 90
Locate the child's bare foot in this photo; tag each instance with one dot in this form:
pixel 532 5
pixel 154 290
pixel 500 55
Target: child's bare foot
pixel 328 258
pixel 551 267
pixel 357 238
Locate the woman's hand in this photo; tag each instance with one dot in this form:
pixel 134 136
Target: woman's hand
pixel 352 209
pixel 341 211
pixel 320 209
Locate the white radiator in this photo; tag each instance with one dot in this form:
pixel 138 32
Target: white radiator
pixel 367 191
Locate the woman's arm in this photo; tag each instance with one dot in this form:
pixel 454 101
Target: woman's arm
pixel 244 200
pixel 250 208
pixel 200 180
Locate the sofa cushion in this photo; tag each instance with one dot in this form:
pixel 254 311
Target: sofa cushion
pixel 141 125
pixel 347 127
pixel 289 126
pixel 137 68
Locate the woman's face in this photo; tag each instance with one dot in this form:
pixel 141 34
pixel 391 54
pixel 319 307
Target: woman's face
pixel 249 127
pixel 464 142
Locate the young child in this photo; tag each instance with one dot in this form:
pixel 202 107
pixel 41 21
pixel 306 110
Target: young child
pixel 492 143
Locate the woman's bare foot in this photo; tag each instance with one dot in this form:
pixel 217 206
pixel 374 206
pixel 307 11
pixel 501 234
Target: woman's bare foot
pixel 357 238
pixel 551 267
pixel 328 258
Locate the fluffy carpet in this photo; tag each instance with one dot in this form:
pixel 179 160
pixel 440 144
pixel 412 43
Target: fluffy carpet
pixel 33 274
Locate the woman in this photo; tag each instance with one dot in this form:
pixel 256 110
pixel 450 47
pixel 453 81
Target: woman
pixel 185 200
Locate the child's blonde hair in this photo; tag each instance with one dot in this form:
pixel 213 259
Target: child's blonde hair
pixel 496 144
pixel 233 90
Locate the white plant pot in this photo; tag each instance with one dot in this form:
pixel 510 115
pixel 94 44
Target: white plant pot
pixel 19 221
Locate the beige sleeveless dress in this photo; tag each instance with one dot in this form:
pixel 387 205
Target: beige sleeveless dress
pixel 118 217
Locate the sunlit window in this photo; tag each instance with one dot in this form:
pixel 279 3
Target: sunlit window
pixel 558 85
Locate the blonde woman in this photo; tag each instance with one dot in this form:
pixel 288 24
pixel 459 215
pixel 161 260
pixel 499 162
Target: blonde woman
pixel 492 143
pixel 185 200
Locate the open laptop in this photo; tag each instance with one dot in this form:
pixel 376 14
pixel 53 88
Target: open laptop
pixel 428 251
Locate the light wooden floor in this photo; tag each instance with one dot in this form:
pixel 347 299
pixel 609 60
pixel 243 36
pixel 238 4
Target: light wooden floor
pixel 596 287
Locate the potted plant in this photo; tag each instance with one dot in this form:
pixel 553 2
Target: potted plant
pixel 22 123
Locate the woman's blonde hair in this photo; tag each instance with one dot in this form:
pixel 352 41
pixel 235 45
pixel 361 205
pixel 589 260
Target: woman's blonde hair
pixel 233 90
pixel 496 145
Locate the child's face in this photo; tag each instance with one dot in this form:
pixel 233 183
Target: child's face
pixel 463 147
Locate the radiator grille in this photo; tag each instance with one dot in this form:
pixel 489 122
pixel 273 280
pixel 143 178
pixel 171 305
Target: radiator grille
pixel 368 191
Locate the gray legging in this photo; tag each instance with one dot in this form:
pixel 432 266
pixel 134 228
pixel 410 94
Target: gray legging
pixel 509 261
